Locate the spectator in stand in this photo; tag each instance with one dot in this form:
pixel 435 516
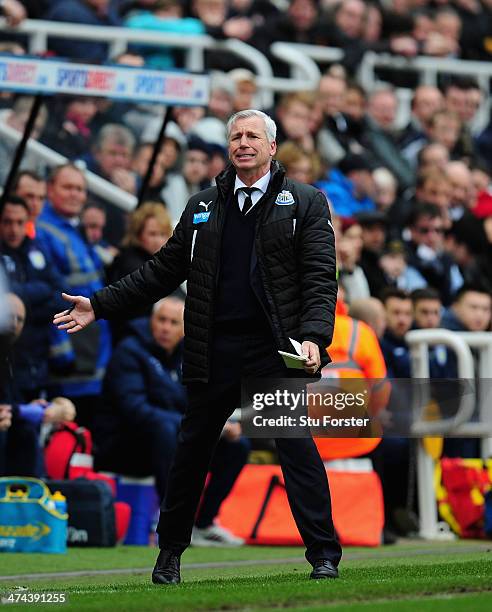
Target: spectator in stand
pixel 445 128
pixel 87 12
pixel 74 259
pixel 245 89
pixel 467 241
pixel 331 139
pixel 194 177
pixel 434 187
pixel 146 402
pixel 348 248
pixel 426 251
pixel 32 189
pixel 20 453
pixel 111 159
pixel 397 273
pixel 16 118
pixel 37 283
pixel 292 115
pixel 163 16
pixel 385 189
pixel 149 229
pixel 381 136
pixel 432 155
pixel 371 311
pixel 398 308
pixel 299 165
pixel 426 101
pixel 140 163
pixel 300 23
pixel 427 311
pixel 470 311
pixel 447 24
pixel 68 131
pixel 350 187
pixel 374 231
pixel 463 194
pixel 92 224
pixel 460 97
pixel 354 111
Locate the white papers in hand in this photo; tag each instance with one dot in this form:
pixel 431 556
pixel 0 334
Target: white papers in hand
pixel 294 360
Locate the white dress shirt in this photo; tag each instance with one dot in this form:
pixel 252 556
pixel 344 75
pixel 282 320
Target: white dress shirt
pixel 261 185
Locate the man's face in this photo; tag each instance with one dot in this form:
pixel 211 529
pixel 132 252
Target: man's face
pixel 112 156
pixel 195 167
pixel 427 313
pixel 34 193
pixel 249 149
pixel 474 310
pixel 455 101
pixel 355 104
pixel 446 131
pixel 93 221
pixel 295 120
pixel 141 163
pixel 363 183
pixel 435 155
pixel 244 96
pixel 374 236
pixel 436 192
pixel 302 13
pixel 428 231
pixel 68 192
pixel 398 316
pixel 13 225
pixel 382 108
pixel 166 324
pixel 332 95
pixel 428 100
pixel 18 314
pixel 220 104
pixel 350 17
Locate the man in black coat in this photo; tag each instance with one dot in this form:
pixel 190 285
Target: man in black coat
pixel 259 256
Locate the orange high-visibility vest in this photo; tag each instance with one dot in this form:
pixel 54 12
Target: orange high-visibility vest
pixel 356 354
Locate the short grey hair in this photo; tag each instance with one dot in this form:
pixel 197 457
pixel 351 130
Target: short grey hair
pixel 270 126
pixel 172 299
pixel 117 134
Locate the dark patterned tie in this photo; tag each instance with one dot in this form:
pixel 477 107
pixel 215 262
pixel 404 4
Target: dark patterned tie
pixel 248 202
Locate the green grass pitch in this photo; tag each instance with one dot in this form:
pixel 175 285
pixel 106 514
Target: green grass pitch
pixel 410 576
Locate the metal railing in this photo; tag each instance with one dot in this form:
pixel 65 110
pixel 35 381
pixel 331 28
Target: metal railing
pixel 461 343
pixel 95 183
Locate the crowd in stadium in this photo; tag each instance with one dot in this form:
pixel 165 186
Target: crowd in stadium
pixel 411 206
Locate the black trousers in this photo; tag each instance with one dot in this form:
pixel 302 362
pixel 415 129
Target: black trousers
pixel 246 353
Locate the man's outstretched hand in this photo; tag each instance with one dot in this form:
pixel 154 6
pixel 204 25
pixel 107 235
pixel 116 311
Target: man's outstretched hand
pixel 78 316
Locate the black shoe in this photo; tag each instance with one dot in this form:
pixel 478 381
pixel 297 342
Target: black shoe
pixel 323 568
pixel 166 570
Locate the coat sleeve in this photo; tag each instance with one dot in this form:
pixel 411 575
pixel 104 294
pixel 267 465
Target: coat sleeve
pixel 318 273
pixel 126 388
pixel 154 280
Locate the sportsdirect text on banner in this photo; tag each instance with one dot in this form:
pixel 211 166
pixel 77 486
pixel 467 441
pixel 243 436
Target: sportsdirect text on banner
pixel 116 82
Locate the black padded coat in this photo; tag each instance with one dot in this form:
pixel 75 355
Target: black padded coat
pixel 295 250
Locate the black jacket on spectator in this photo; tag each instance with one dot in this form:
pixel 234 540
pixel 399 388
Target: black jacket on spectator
pixel 35 280
pixel 298 276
